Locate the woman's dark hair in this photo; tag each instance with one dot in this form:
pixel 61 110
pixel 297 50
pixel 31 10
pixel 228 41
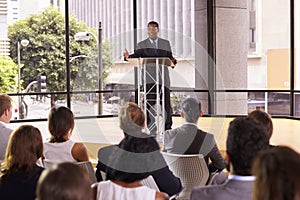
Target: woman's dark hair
pixel 65 181
pixel 265 120
pixel 277 174
pixel 134 159
pixel 60 123
pixel 25 147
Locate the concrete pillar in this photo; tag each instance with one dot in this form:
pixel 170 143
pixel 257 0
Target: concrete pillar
pixel 232 24
pixel 201 56
pixel 231 34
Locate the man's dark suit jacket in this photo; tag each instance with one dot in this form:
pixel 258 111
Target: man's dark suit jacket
pixel 188 139
pixel 145 49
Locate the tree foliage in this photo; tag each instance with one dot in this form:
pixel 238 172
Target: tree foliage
pixel 45 54
pixel 8 75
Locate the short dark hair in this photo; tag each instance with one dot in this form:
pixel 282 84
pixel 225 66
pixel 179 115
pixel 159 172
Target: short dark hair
pixel 265 120
pixel 5 103
pixel 60 123
pixel 153 23
pixel 64 181
pixel 133 160
pixel 246 137
pixel 191 109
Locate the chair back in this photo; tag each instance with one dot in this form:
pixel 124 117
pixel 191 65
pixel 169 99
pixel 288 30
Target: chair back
pixel 87 165
pixel 191 169
pixel 48 164
pixel 150 183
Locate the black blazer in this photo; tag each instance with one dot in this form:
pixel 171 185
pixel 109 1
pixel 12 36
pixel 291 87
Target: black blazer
pixel 145 49
pixel 165 179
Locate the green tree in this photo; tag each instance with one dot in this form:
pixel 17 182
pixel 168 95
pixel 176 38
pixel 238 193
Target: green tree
pixel 45 54
pixel 8 75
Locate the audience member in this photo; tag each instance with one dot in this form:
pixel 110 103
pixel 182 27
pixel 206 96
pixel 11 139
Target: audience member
pixel 19 173
pixel 132 121
pixel 277 174
pixel 5 115
pixel 60 148
pixel 246 137
pixel 129 163
pixel 65 181
pixel 264 119
pixel 189 139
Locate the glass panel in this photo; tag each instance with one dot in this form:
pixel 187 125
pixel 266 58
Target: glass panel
pixel 297 104
pixel 32 106
pixel 36 35
pixel 275 103
pixel 178 97
pixel 269 63
pixel 297 45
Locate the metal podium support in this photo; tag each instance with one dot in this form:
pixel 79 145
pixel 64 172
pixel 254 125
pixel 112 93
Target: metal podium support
pixel 157 83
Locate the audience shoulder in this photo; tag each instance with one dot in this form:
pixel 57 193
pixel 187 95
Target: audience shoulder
pixel 161 196
pixel 79 152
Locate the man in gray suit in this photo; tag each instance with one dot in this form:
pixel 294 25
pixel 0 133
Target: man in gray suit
pixel 5 115
pixel 188 139
pixel 154 47
pixel 245 139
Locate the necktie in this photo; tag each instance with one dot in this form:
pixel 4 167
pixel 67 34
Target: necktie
pixel 154 44
pixel 155 47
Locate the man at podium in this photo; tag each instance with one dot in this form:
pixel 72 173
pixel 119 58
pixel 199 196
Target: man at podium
pixel 152 47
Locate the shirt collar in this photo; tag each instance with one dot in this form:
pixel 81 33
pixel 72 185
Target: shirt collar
pixel 241 178
pixel 189 123
pixel 3 123
pixel 156 40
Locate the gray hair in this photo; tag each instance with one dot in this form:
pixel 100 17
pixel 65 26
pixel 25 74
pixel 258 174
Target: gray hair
pixel 191 109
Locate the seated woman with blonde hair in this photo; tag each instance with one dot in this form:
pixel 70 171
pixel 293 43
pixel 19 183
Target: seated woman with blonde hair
pixel 19 173
pixel 129 164
pixel 60 148
pixel 132 122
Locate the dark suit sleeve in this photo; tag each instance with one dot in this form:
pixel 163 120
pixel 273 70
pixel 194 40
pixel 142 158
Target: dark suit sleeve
pixel 169 50
pixel 218 162
pixel 166 181
pixel 138 52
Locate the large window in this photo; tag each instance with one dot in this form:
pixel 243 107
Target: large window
pixel 247 41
